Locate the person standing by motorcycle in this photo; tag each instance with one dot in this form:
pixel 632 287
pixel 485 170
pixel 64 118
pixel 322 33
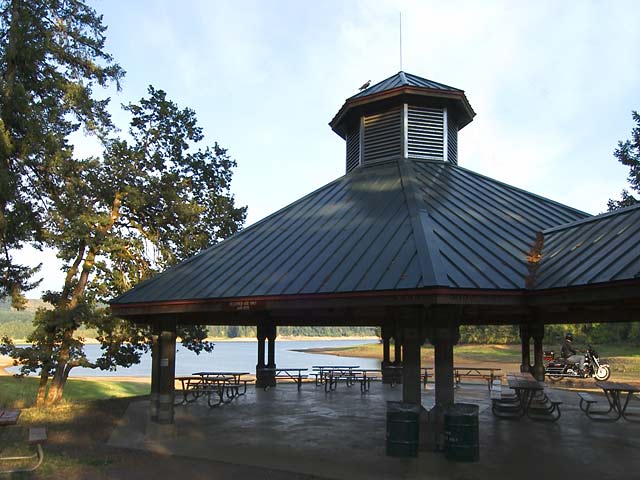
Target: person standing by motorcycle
pixel 569 354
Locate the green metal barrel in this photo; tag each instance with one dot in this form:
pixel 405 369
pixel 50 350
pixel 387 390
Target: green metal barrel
pixel 461 433
pixel 403 424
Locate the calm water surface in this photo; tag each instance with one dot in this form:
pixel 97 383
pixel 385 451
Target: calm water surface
pixel 236 356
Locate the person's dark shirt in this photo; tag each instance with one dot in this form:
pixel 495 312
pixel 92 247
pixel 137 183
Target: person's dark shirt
pixel 567 349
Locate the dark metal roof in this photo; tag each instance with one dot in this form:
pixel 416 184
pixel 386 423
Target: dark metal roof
pixel 402 79
pixel 398 225
pixel 603 248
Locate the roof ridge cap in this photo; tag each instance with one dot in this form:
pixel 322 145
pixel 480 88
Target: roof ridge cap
pixel 428 258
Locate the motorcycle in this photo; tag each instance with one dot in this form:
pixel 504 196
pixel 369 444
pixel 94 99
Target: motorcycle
pixel 557 369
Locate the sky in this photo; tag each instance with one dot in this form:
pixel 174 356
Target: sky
pixel 552 83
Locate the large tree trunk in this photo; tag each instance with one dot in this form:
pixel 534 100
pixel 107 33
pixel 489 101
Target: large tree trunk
pixel 42 389
pixel 57 382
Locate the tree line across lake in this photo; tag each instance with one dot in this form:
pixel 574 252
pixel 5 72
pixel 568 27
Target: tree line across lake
pixel 18 324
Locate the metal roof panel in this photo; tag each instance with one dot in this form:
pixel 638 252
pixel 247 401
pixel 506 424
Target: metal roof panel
pixel 603 248
pixel 395 225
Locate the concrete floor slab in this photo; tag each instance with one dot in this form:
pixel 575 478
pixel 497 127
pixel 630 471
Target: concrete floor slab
pixel 341 435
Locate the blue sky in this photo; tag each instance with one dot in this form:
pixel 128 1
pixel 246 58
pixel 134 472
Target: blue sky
pixel 553 85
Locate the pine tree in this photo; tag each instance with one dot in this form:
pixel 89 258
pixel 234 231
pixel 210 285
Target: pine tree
pixel 51 58
pixel 628 153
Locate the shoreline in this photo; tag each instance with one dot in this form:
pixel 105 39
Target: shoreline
pixel 7 362
pixel 293 338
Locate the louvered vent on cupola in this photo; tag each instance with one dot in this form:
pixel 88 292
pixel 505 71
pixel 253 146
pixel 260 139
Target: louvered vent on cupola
pixel 353 148
pixel 425 135
pixel 452 142
pixel 382 137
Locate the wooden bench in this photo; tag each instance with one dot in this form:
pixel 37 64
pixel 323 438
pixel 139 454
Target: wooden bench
pixel 37 437
pixel 586 398
pixel 224 392
pixel 548 409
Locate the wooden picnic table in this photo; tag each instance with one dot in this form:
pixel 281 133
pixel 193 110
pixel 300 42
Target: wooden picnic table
pixel 294 374
pixel 322 372
pixel 530 399
pixel 9 417
pixel 328 375
pixel 488 374
pixel 613 391
pixel 223 386
pixel 365 376
pixel 235 376
pixel 37 437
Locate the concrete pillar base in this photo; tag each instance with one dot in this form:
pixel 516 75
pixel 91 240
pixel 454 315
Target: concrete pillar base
pixel 432 430
pixel 391 374
pixel 153 407
pixel 265 377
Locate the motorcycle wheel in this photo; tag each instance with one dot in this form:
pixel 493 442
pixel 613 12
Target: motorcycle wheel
pixel 554 378
pixel 603 373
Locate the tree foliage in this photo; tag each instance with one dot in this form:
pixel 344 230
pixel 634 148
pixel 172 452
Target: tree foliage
pixel 151 200
pixel 628 153
pixel 51 57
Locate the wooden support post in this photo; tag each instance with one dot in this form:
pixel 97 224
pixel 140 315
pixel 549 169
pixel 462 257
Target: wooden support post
pixel 411 381
pixel 166 377
pixel 537 332
pixel 525 338
pixel 443 339
pixel 443 334
pixel 386 366
pixel 265 376
pixel 155 372
pixel 397 347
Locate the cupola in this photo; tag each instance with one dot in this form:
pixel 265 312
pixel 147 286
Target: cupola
pixel 404 116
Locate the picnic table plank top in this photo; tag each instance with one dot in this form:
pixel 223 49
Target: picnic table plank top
pixel 483 369
pixel 9 417
pixel 204 374
pixel 624 387
pixel 336 367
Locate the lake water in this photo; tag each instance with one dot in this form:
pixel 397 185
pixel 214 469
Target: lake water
pixel 235 356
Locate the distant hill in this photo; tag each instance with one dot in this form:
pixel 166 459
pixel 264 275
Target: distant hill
pixel 33 304
pixel 19 324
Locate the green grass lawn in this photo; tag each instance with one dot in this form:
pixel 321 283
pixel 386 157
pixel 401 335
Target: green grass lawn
pixel 19 392
pixel 77 427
